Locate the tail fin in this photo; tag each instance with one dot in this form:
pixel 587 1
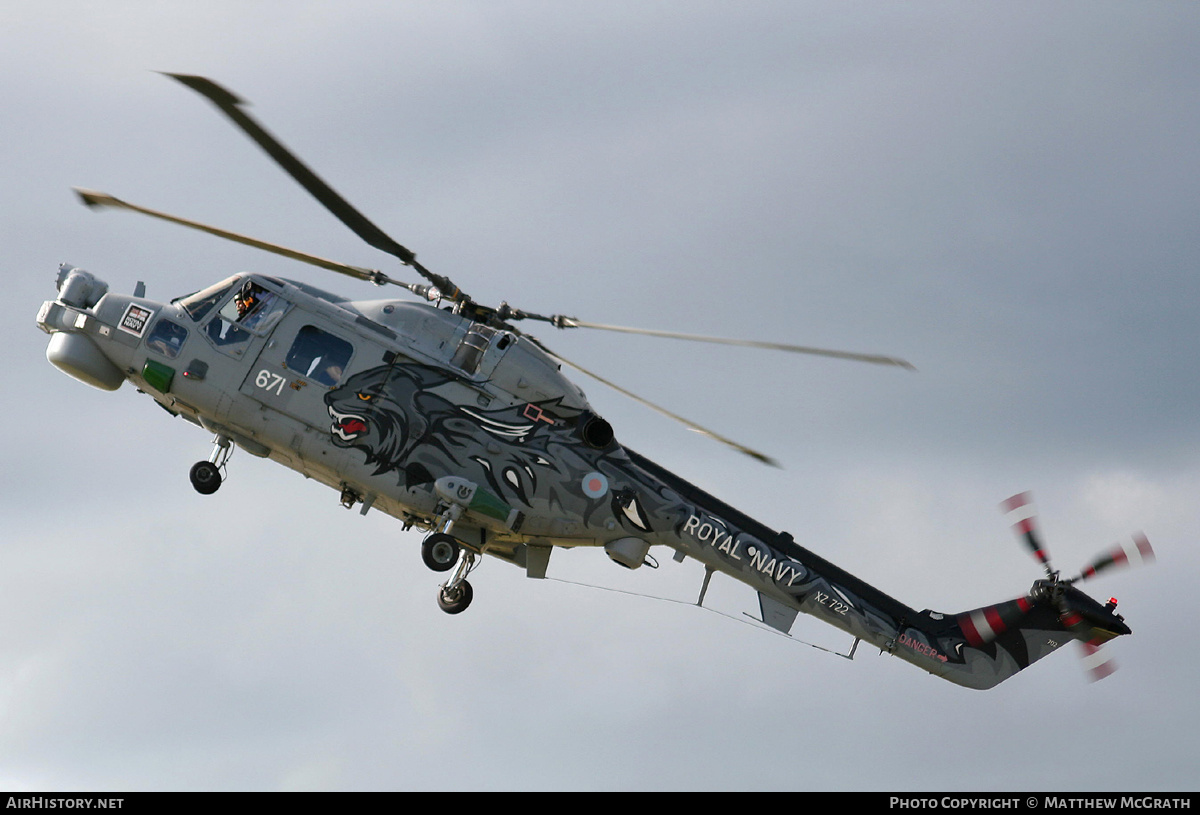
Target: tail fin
pixel 994 642
pixel 987 645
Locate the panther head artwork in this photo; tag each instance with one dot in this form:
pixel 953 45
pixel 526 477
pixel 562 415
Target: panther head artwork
pixel 375 411
pixel 394 416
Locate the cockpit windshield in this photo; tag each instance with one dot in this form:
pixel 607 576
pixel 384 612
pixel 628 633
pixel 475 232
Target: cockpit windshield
pixel 199 304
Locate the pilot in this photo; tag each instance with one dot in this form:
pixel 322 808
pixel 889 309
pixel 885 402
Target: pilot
pixel 246 299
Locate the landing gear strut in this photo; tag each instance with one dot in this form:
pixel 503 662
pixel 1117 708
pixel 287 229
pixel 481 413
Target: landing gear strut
pixel 455 594
pixel 441 551
pixel 206 475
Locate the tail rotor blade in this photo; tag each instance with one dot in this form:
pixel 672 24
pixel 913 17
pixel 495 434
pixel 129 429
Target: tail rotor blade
pixel 1135 552
pixel 1096 662
pixel 1021 515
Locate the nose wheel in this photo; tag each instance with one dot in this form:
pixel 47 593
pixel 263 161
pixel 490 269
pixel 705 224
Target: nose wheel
pixel 206 475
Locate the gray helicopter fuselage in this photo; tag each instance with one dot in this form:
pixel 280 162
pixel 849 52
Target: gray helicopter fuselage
pixel 428 415
pixel 454 421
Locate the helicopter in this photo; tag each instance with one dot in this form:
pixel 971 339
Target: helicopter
pixel 441 412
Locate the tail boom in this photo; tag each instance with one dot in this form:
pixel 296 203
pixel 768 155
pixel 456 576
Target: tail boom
pixel 975 649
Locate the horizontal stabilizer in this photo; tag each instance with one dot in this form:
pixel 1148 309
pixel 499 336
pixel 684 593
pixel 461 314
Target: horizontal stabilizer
pixel 776 614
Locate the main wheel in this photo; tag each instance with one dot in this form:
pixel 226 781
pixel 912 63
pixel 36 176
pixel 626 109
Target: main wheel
pixel 206 478
pixel 440 552
pixel 455 601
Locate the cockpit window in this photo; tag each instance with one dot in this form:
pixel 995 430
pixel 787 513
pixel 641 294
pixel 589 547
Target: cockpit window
pixel 198 305
pixel 255 308
pixel 167 338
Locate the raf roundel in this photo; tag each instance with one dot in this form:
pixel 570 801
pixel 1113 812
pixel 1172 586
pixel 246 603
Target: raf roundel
pixel 595 485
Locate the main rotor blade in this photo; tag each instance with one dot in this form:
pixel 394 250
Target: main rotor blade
pixel 571 322
pixel 741 448
pixel 96 199
pixel 231 106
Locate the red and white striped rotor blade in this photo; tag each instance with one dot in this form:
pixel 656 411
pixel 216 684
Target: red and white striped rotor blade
pixel 1134 552
pixel 1023 518
pixel 1096 663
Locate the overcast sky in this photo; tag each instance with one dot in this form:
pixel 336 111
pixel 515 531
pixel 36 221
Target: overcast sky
pixel 1005 194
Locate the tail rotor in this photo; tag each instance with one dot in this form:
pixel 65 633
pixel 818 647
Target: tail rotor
pixel 1089 622
pixel 1077 612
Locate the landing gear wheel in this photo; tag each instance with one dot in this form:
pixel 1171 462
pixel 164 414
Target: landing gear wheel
pixel 440 552
pixel 206 477
pixel 455 600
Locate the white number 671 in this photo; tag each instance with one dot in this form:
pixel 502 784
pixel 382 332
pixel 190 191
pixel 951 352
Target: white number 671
pixel 270 382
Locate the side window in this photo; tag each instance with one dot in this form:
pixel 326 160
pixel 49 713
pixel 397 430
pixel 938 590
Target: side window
pixel 167 338
pixel 319 355
pixel 222 332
